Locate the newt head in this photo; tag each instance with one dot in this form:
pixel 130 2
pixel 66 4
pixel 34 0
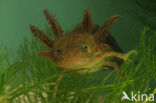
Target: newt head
pixel 78 48
pixel 73 50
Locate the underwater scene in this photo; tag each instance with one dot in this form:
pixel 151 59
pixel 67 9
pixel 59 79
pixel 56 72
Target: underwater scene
pixel 77 51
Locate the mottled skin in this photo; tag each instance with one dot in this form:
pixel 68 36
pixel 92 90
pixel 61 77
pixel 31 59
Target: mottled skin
pixel 77 51
pixel 86 46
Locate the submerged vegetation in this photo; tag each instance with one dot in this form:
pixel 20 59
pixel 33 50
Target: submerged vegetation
pixel 29 78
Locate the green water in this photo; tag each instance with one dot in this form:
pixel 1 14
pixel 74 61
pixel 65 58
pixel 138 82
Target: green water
pixel 27 72
pixel 16 15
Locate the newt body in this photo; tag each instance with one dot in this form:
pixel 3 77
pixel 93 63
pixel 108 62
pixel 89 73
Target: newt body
pixel 83 47
pixel 86 46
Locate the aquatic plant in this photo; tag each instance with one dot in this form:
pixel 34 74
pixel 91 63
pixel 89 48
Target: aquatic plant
pixel 30 78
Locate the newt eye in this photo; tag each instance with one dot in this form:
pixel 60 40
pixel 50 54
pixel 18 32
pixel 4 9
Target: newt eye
pixel 85 48
pixel 58 51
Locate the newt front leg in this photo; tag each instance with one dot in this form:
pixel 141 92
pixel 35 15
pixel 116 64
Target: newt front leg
pixel 100 60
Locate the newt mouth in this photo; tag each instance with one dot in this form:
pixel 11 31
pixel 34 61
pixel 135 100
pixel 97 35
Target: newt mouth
pixel 73 63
